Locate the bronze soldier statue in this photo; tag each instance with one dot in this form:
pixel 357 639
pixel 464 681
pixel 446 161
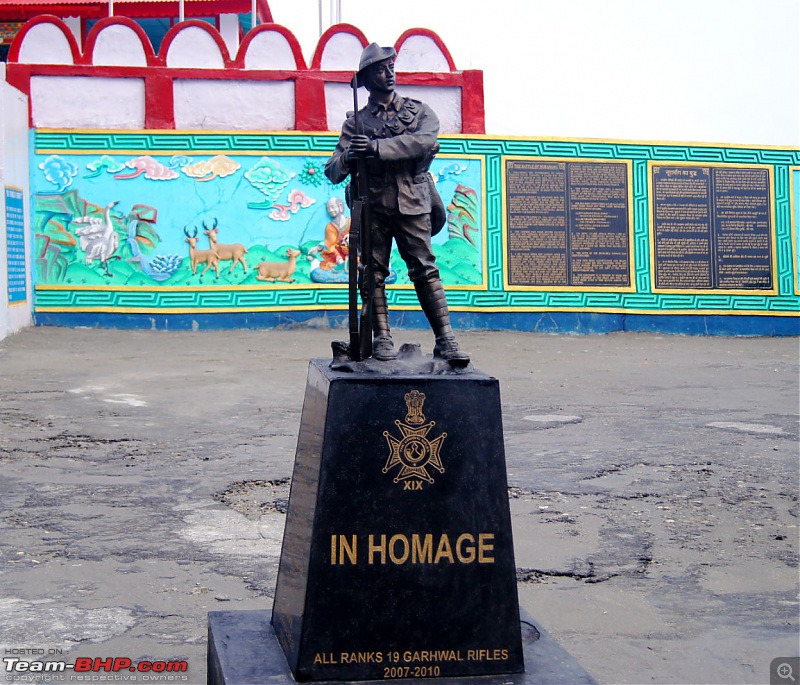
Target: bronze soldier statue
pixel 399 142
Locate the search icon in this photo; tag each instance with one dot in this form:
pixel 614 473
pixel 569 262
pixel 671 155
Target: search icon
pixel 785 672
pixel 782 670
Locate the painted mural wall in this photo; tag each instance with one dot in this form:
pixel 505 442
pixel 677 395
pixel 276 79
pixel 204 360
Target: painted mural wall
pixel 123 223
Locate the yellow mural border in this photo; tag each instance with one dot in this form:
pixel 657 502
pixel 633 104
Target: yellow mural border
pixel 568 288
pixel 456 136
pixel 652 237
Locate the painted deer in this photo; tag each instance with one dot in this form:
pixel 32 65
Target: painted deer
pixel 208 257
pixel 234 251
pixel 279 271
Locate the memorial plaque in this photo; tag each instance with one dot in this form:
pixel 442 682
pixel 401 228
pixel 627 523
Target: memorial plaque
pixel 397 559
pixel 711 227
pixel 15 246
pixel 567 223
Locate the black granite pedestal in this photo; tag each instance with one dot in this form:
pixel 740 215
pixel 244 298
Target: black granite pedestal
pixel 397 558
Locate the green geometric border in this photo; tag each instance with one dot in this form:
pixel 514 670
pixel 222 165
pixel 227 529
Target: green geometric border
pixel 495 298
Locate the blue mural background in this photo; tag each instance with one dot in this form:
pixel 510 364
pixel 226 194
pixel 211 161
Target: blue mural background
pixel 267 203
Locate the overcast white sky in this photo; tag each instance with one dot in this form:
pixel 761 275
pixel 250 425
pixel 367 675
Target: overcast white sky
pixel 685 70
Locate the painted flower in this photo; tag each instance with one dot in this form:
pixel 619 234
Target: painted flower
pixel 312 174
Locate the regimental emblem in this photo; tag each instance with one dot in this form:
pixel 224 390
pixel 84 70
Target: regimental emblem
pixel 413 452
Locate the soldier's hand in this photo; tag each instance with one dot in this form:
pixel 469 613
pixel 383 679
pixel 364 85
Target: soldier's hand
pixel 361 147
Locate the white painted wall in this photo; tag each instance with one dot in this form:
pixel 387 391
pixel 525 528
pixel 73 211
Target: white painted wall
pixel 234 105
pixel 45 44
pixel 341 52
pixel 194 48
pixel 445 101
pixel 118 45
pixel 87 102
pixel 13 172
pixel 269 50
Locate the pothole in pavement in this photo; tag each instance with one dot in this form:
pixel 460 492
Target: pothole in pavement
pixel 254 498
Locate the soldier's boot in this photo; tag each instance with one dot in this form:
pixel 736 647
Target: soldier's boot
pixel 382 343
pixel 434 303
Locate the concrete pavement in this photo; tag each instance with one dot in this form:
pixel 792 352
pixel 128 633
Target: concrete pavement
pixel 653 483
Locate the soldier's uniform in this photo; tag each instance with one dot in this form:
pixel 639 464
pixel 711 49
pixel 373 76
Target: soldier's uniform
pixel 400 187
pixel 401 194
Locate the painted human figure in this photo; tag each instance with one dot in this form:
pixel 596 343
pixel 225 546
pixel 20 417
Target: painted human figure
pixel 399 143
pixel 333 251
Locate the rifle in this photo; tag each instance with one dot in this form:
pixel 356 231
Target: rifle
pixel 360 243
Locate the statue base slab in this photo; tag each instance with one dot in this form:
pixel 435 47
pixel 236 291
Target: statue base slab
pixel 243 650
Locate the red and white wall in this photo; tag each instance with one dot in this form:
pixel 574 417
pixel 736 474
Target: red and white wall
pixel 118 82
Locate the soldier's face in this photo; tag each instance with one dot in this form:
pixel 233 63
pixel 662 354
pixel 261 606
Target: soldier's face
pixel 380 77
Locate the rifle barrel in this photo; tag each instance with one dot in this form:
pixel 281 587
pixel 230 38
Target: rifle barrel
pixel 359 185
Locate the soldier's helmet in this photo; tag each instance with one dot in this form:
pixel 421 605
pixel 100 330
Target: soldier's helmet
pixel 373 54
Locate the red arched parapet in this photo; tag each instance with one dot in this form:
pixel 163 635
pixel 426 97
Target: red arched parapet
pixel 34 25
pixel 330 36
pixel 253 35
pixel 108 22
pixel 172 37
pixel 428 35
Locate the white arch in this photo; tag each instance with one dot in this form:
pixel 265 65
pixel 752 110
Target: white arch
pixel 421 53
pixel 194 47
pixel 45 43
pixel 270 50
pixel 119 46
pixel 341 52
